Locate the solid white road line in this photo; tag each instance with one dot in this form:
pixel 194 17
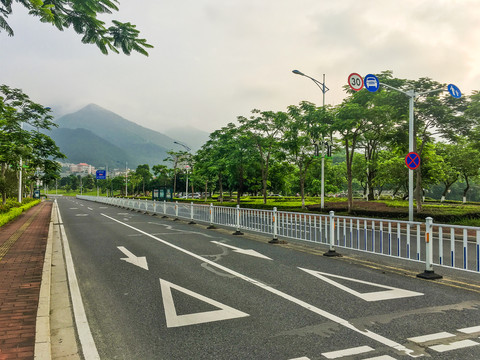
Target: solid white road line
pixel 454 346
pixel 347 352
pixel 430 337
pixel 381 339
pixel 381 357
pixel 84 334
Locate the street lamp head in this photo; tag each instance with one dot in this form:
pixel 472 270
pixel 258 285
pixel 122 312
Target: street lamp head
pixel 298 72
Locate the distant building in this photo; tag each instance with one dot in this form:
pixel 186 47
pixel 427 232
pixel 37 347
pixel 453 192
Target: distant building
pixel 82 168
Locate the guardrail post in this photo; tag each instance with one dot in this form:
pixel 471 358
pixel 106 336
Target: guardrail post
pixel 211 226
pixel 275 229
pixel 164 209
pixel 176 211
pixel 154 208
pixel 237 215
pixel 191 214
pixel 331 251
pixel 146 207
pixel 429 274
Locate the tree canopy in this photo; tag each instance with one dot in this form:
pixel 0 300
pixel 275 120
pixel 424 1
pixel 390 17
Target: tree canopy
pixel 83 17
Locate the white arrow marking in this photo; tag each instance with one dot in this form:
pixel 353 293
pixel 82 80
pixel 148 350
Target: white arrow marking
pixel 242 251
pixel 132 259
pixel 173 320
pixel 390 293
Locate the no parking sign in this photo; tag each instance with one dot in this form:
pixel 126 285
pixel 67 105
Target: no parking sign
pixel 412 160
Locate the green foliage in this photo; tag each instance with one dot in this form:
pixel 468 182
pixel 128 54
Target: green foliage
pixel 82 16
pixel 14 211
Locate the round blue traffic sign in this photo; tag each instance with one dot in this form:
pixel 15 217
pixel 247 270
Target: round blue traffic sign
pixel 412 160
pixel 371 83
pixel 454 91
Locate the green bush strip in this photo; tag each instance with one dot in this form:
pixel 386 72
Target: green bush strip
pixel 16 211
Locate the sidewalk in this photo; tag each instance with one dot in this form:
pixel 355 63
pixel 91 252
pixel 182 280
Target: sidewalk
pixel 22 250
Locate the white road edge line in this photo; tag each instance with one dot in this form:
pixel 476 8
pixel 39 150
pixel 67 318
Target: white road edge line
pixel 89 348
pixel 379 338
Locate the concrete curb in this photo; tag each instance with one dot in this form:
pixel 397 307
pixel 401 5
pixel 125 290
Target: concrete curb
pixel 42 330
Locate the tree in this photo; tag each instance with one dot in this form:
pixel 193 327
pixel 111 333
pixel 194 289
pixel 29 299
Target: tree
pixel 451 174
pixel 301 131
pixel 350 123
pixel 83 16
pixel 175 157
pixel 265 128
pixel 144 172
pixel 35 149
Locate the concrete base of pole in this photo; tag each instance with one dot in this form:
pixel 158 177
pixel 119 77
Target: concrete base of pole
pixel 210 227
pixel 154 214
pixel 331 253
pixel 164 217
pixel 274 241
pixel 429 275
pixel 192 222
pixel 238 232
pixel 176 219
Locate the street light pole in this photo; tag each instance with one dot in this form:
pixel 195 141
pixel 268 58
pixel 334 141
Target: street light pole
pixel 411 96
pixel 324 89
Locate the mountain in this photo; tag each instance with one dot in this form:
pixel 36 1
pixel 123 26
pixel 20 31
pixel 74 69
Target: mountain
pixel 121 140
pixel 190 136
pixel 82 145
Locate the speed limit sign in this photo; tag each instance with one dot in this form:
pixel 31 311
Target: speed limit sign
pixel 355 81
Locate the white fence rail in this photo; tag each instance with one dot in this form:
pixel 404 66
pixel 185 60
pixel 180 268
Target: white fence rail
pixel 434 244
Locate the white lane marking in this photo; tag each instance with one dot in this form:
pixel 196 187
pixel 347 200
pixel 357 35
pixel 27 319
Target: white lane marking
pixel 381 339
pixel 454 346
pixel 381 357
pixel 103 207
pixel 431 337
pixel 301 358
pixel 242 251
pixel 140 261
pixel 470 330
pixel 73 208
pixel 347 352
pixel 89 208
pixel 390 293
pixel 81 215
pixel 83 329
pixel 173 320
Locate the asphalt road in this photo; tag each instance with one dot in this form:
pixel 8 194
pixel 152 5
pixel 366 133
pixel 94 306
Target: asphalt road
pixel 155 288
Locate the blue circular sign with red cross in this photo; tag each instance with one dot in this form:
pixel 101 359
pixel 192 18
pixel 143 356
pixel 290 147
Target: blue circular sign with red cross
pixel 412 160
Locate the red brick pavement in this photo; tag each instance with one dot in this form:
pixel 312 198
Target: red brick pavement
pixel 24 241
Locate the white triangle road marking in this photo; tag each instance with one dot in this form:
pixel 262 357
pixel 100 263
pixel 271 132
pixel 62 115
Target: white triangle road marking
pixel 390 293
pixel 173 320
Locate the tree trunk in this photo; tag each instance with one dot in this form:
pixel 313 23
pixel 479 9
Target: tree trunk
pixel 220 184
pixel 466 189
pixel 302 189
pixel 418 189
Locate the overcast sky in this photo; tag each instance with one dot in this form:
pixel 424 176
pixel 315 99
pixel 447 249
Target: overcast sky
pixel 216 60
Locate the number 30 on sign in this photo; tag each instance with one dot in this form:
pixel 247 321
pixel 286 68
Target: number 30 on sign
pixel 355 81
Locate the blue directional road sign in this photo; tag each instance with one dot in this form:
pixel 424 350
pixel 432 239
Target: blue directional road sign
pixel 454 91
pixel 101 174
pixel 371 83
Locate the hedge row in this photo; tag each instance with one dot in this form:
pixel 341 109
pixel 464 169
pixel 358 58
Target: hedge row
pixel 16 211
